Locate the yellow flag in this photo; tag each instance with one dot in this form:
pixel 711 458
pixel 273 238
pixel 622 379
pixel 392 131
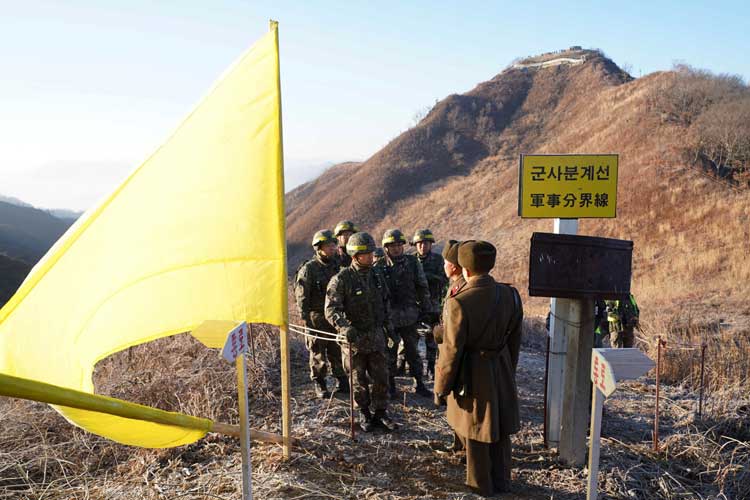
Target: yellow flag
pixel 194 235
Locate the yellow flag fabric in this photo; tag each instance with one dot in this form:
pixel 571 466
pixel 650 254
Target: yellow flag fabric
pixel 195 234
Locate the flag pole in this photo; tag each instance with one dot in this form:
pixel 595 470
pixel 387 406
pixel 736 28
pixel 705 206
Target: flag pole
pixel 286 412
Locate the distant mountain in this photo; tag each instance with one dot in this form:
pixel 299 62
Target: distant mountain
pixel 14 201
pixel 26 233
pixel 12 274
pixel 456 172
pixel 64 213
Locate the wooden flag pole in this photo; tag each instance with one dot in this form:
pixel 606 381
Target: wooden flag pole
pixel 286 412
pixel 33 390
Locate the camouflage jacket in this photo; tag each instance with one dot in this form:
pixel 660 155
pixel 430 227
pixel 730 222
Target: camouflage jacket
pixel 310 286
pixel 407 283
pixel 358 300
pixel 622 314
pixel 342 258
pixel 432 264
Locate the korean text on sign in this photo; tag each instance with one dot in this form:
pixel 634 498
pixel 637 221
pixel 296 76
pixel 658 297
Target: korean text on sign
pixel 568 186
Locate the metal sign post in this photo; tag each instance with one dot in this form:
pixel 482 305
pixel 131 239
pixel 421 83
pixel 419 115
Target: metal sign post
pixel 234 351
pixel 608 366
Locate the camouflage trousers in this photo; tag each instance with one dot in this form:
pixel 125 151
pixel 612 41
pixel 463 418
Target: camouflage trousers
pixel 430 345
pixel 410 338
pixel 370 378
pixel 623 338
pixel 322 353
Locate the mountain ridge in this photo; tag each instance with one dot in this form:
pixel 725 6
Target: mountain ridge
pixel 456 173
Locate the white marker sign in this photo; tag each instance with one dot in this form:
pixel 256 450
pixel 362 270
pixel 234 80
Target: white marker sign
pixel 237 342
pixel 608 366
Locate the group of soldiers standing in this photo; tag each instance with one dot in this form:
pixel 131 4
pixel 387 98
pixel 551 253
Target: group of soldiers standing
pixel 377 304
pixel 473 334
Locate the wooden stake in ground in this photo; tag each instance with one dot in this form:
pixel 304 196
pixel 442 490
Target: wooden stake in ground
pixel 286 412
pixel 575 408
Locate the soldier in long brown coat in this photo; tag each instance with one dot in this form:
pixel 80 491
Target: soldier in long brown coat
pixel 476 370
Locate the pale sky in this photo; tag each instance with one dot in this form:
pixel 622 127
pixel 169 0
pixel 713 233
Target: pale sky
pixel 89 89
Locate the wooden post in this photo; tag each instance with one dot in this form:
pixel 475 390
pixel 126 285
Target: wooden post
pixel 352 425
pixel 559 332
pixel 597 401
pixel 576 388
pixel 656 408
pixel 286 412
pixel 703 365
pixel 242 399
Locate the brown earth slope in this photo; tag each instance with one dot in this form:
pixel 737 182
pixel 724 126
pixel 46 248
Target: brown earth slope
pixel 456 173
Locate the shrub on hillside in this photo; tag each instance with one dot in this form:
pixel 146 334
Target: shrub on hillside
pixel 716 111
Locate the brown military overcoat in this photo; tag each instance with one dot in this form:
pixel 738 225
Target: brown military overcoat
pixel 487 325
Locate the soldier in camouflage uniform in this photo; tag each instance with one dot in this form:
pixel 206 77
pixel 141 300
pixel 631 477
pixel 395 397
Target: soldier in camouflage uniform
pixel 410 299
pixel 623 316
pixel 343 232
pixel 432 264
pixel 310 286
pixel 357 305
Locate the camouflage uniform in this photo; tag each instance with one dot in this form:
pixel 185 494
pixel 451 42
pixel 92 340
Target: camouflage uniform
pixel 410 298
pixel 357 305
pixel 310 291
pixel 432 264
pixel 623 318
pixel 342 258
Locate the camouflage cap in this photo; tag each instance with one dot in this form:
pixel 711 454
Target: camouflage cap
pixel 477 256
pixel 345 225
pixel 322 237
pixel 360 243
pixel 450 251
pixel 423 235
pixel 393 236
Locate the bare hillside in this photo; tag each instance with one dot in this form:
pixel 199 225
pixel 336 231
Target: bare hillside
pixel 456 172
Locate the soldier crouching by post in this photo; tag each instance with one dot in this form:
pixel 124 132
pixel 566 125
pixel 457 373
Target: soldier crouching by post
pixel 310 286
pixel 357 305
pixel 476 369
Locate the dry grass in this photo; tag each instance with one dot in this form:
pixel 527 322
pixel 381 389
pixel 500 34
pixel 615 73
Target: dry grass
pixel 43 457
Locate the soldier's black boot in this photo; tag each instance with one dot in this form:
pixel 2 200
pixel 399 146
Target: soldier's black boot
pixel 392 388
pixel 431 369
pixel 366 421
pixel 321 390
pixel 422 390
pixel 382 420
pixel 343 387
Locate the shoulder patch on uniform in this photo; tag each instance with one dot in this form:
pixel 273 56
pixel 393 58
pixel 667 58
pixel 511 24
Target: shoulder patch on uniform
pixel 455 289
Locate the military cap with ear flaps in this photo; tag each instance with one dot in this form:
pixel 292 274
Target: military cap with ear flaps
pixel 477 256
pixel 450 251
